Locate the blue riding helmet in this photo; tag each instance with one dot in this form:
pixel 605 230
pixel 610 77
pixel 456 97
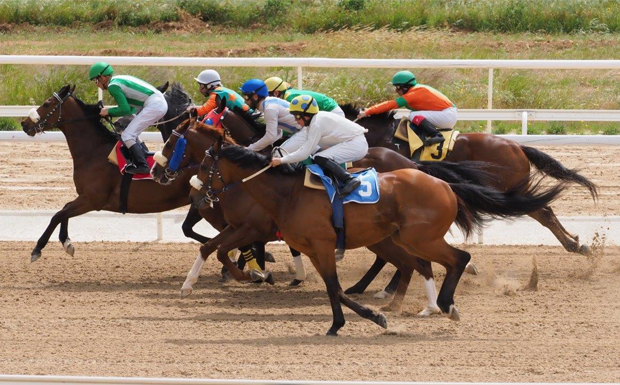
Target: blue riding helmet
pixel 255 86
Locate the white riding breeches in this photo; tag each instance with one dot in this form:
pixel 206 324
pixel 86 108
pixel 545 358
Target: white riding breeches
pixel 350 151
pixel 155 107
pixel 440 119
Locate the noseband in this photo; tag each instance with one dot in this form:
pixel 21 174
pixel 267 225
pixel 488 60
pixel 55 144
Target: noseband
pixel 34 115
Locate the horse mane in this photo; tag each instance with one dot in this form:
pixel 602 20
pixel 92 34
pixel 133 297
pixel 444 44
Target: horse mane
pixel 92 111
pixel 245 158
pixel 258 127
pixel 209 129
pixel 177 96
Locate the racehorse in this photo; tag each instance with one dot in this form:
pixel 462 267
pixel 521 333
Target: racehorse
pixel 97 181
pixel 398 214
pixel 514 161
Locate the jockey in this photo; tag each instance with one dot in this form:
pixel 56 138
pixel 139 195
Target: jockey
pixel 278 118
pixel 340 141
pixel 211 86
pixel 430 108
pixel 132 95
pixel 281 89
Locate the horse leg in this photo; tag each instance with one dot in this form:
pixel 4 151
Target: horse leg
pixel 205 251
pixel 300 270
pixel 437 250
pixel 242 237
pixel 403 283
pixel 259 254
pixel 193 217
pixel 425 268
pixel 547 218
pixel 72 209
pixel 63 235
pixel 391 287
pixel 370 275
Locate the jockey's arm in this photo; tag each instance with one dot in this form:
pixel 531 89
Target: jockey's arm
pixel 382 107
pixel 123 108
pixel 209 105
pixel 272 133
pixel 310 141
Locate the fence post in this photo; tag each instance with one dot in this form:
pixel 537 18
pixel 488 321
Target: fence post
pixel 299 81
pixel 490 99
pixel 524 123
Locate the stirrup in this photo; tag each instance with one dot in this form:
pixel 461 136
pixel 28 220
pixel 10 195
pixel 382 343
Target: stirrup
pixel 349 186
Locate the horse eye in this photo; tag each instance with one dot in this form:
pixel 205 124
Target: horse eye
pixel 203 167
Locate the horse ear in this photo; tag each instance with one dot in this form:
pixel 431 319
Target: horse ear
pixel 163 87
pixel 72 88
pixel 217 145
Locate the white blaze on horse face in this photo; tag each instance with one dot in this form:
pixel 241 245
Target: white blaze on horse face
pixel 195 182
pixel 34 115
pixel 160 159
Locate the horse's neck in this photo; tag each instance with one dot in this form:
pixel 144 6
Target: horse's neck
pixel 198 143
pixel 271 191
pixel 85 144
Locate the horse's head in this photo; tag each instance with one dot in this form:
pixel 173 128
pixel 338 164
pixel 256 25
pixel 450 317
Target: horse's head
pixel 49 114
pixel 178 100
pixel 172 157
pixel 202 193
pixel 238 124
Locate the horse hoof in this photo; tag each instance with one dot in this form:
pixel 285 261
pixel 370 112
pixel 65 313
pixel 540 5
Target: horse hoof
pixel 585 250
pixel 453 315
pixel 186 292
pixel 381 320
pixel 354 290
pixel 36 254
pixel 382 294
pixel 428 311
pixel 296 282
pixel 332 333
pixel 391 308
pixel 224 278
pixel 471 269
pixel 339 255
pixel 69 249
pixel 269 257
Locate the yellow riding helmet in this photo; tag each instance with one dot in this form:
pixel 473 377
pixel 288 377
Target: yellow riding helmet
pixel 276 84
pixel 304 104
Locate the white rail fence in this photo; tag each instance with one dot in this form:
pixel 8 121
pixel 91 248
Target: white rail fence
pixel 489 114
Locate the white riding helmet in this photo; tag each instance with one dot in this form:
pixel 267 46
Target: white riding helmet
pixel 209 78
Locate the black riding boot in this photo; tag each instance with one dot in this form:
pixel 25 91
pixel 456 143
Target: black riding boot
pixel 432 135
pixel 139 165
pixel 348 182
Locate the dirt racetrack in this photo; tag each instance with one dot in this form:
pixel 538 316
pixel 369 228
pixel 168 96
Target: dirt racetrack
pixel 114 308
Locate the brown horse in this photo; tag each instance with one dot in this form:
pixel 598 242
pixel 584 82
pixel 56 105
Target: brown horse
pixel 470 200
pixel 514 161
pixel 97 181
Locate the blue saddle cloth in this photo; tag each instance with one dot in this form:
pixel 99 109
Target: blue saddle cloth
pixel 366 193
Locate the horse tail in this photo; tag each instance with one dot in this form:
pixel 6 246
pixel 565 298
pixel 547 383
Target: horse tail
pixel 477 204
pixel 550 166
pixel 462 172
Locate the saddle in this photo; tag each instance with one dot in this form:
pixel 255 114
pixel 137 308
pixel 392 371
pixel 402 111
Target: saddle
pixel 410 134
pixel 119 156
pixel 314 181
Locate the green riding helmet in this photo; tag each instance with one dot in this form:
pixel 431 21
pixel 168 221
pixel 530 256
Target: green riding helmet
pixel 100 68
pixel 404 78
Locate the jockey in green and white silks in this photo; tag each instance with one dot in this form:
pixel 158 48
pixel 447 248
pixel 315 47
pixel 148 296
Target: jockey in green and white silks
pixel 281 89
pixel 133 96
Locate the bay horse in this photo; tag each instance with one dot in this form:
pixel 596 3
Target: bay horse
pixel 468 201
pixel 515 163
pixel 97 181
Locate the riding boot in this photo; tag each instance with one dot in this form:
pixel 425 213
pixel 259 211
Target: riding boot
pixel 139 165
pixel 432 135
pixel 348 182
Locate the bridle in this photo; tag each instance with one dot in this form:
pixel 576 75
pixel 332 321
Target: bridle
pixel 211 195
pixel 34 115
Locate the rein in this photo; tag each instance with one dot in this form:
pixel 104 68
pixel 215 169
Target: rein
pixel 34 115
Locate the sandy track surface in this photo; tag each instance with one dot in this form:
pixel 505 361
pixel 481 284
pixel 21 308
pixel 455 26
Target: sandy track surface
pixel 114 310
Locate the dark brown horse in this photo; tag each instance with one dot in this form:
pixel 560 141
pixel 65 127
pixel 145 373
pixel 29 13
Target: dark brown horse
pixel 514 161
pixel 97 181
